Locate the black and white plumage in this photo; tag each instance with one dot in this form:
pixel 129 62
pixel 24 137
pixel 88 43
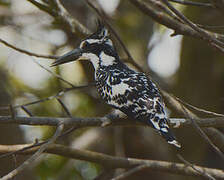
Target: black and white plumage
pixel 127 90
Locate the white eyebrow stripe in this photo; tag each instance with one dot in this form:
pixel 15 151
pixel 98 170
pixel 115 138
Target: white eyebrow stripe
pixel 90 41
pixel 81 45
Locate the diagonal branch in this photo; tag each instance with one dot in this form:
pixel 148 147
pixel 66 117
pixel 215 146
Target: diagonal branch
pixel 54 74
pixel 192 3
pixel 130 172
pixel 73 24
pixel 204 33
pixel 102 15
pixel 60 93
pixel 203 173
pixel 201 132
pixel 63 16
pixel 159 16
pixel 37 154
pixel 27 52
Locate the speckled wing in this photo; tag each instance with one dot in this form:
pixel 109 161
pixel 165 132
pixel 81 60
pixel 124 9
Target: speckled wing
pixel 145 104
pixel 138 97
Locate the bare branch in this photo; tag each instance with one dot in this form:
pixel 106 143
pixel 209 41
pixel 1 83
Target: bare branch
pixel 64 107
pixel 192 3
pixel 118 162
pixel 102 15
pixel 216 136
pixel 210 26
pixel 54 74
pixel 37 154
pixel 27 111
pixel 12 111
pixel 212 132
pixel 202 133
pixel 219 4
pixel 60 93
pixel 204 174
pixel 43 7
pixel 74 25
pixel 179 28
pixel 204 33
pixel 130 172
pixel 28 52
pixel 63 16
pixel 199 109
pixel 98 121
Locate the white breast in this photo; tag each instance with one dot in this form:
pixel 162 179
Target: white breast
pixel 119 89
pixel 93 58
pixel 106 60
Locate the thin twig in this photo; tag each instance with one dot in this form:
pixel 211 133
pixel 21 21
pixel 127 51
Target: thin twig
pixel 54 74
pixel 69 115
pixel 27 111
pixel 63 16
pixel 36 144
pixel 22 149
pixel 148 8
pixel 119 147
pixel 178 106
pixel 106 22
pixel 201 132
pixel 203 173
pixel 199 109
pixel 130 172
pixel 210 26
pixel 206 35
pixel 43 7
pixel 64 107
pixel 12 111
pixel 60 93
pixel 37 154
pixel 193 3
pixel 74 25
pixel 28 52
pixel 216 136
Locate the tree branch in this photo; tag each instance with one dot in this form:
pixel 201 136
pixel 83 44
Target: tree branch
pixel 27 52
pixel 103 17
pixel 37 154
pixel 99 121
pixel 203 173
pixel 130 172
pixel 117 162
pixel 74 25
pixel 192 3
pixel 63 16
pixel 206 35
pixel 149 8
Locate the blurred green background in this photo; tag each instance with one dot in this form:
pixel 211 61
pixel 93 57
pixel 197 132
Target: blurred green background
pixel 185 67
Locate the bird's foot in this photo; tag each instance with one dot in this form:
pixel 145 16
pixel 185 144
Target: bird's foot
pixel 105 121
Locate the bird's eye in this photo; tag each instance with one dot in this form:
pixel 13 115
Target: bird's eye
pixel 83 44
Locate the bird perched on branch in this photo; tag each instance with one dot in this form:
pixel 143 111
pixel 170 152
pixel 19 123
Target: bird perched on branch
pixel 119 86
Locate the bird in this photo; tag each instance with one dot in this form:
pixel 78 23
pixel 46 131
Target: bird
pixel 121 87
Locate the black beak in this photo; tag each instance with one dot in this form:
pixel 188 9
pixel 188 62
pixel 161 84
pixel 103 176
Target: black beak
pixel 68 57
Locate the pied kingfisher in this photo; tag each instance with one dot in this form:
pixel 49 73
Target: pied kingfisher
pixel 122 88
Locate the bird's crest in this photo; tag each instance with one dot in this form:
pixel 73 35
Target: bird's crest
pixel 101 33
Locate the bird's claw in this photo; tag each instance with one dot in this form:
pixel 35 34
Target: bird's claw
pixel 105 121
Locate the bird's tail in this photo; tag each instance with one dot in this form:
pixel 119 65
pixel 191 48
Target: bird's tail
pixel 160 123
pixel 168 135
